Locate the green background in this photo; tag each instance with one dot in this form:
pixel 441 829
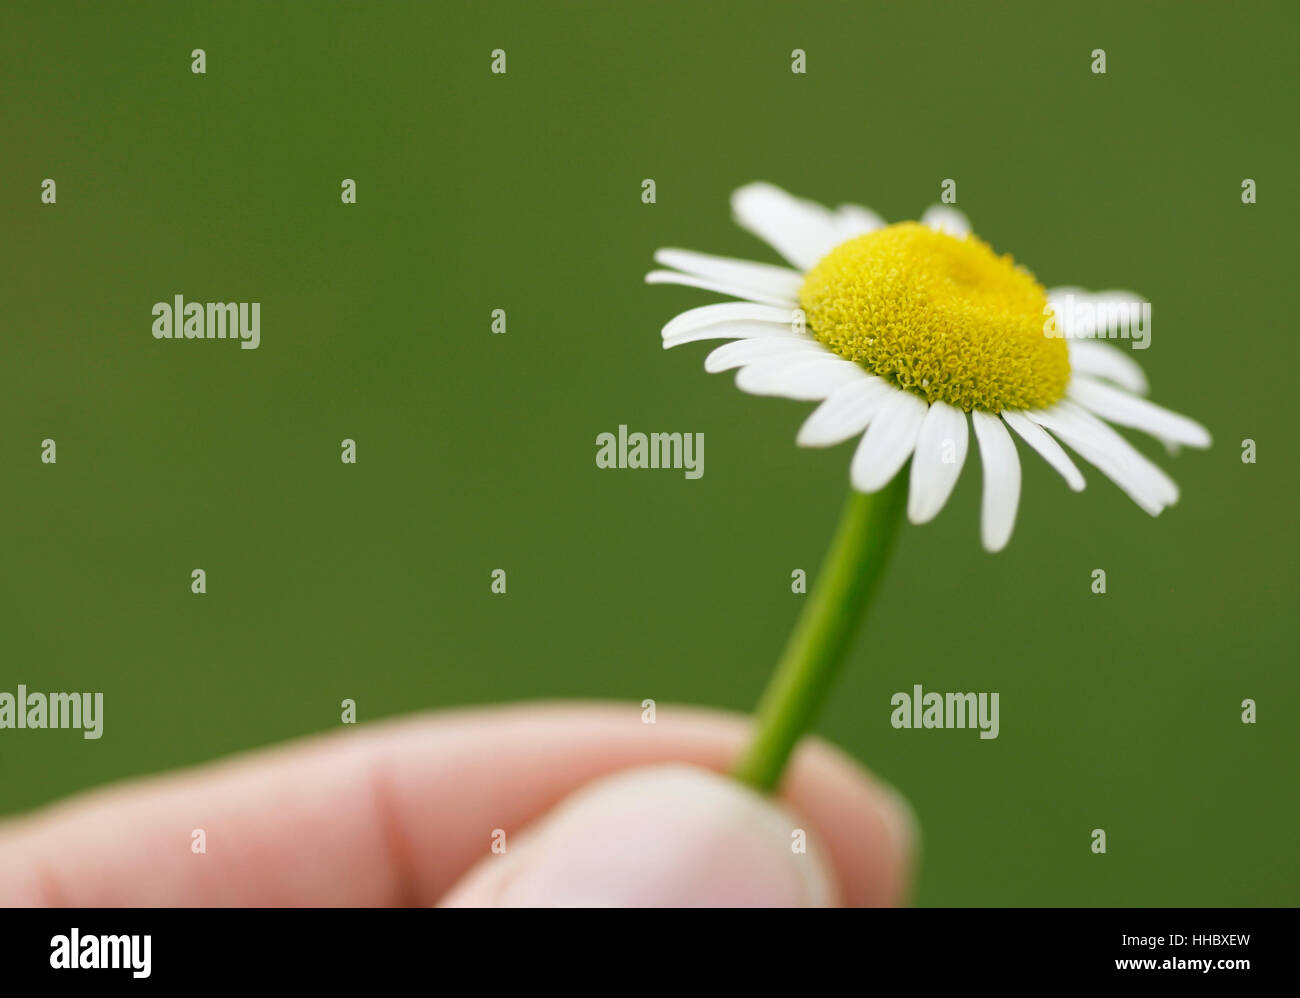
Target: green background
pixel 477 451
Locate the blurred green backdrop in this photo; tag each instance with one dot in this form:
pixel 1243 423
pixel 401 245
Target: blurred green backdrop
pixel 477 451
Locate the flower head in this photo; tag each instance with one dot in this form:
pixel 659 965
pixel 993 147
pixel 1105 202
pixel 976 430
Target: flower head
pixel 909 333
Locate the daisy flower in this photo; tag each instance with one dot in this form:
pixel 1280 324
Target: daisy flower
pixel 909 336
pixel 909 333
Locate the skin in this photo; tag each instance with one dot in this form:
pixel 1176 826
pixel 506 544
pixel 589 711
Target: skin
pixel 398 813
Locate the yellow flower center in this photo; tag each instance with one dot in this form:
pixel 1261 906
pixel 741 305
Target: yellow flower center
pixel 943 317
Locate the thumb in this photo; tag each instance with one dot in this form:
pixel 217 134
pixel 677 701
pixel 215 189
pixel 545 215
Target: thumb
pixel 669 835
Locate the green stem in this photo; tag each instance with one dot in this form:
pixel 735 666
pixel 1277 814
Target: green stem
pixel 824 631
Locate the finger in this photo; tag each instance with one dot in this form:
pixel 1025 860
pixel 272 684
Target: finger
pixel 669 835
pixel 395 813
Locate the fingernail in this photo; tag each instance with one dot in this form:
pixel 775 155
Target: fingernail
pixel 675 836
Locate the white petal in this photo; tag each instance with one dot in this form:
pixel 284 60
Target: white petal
pixel 1001 480
pixel 743 352
pixel 888 442
pixel 1048 449
pixel 764 278
pixel 1129 455
pixel 1112 455
pixel 801 231
pixel 734 331
pixel 1105 361
pixel 940 454
pixel 854 220
pixel 845 413
pixel 727 311
pixel 1129 410
pixel 947 219
pixel 803 378
pixel 721 287
pixel 1117 297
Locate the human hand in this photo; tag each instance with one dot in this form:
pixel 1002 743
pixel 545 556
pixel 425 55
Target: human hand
pixel 596 808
